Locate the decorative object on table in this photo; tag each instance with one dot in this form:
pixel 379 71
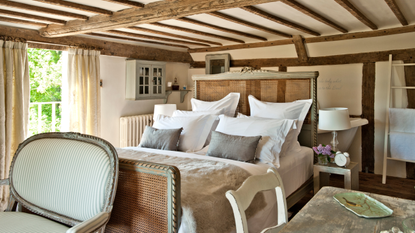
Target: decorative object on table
pixel 184 87
pixel 408 225
pixel 169 84
pixel 324 153
pixel 363 205
pixel 164 109
pixel 175 85
pixel 395 230
pixel 334 119
pixel 342 159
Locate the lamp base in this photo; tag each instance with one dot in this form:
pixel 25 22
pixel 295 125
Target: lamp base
pixel 334 142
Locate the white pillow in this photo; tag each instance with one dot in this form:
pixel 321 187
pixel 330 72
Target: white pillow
pixel 296 110
pixel 229 103
pixel 202 113
pixel 195 130
pixel 273 132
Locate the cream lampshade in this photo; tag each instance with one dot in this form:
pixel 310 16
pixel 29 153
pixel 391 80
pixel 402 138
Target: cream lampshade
pixel 163 109
pixel 334 119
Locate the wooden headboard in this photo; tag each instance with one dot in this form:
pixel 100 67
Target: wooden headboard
pixel 269 86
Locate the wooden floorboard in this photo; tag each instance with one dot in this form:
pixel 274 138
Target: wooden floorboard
pixel 395 187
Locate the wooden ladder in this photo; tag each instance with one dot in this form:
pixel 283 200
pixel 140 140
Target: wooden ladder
pixel 387 127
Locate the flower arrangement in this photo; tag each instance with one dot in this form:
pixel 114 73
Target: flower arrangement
pixel 324 153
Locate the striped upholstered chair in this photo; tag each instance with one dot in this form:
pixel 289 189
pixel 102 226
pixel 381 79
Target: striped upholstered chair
pixel 67 182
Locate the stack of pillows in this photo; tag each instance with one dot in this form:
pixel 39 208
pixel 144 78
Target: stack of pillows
pixel 271 130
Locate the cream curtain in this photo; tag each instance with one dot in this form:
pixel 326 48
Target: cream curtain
pixel 14 105
pixel 81 92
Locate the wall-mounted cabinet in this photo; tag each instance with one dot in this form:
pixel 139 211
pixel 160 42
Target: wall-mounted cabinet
pixel 145 80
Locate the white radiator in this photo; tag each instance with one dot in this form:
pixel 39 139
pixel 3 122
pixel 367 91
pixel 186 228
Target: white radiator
pixel 132 127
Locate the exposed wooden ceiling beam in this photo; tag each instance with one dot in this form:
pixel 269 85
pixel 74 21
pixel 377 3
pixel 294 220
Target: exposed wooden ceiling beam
pixel 108 47
pixel 198 32
pixel 29 16
pixel 127 3
pixel 395 9
pixel 199 23
pixel 154 38
pixel 77 6
pixel 300 48
pixel 248 24
pixel 279 20
pixel 20 21
pixel 312 14
pixel 347 36
pixel 150 13
pixel 356 13
pixel 173 35
pixel 41 9
pixel 135 40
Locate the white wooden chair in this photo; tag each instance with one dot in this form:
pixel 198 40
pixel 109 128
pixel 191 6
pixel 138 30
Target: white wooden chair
pixel 68 179
pixel 242 198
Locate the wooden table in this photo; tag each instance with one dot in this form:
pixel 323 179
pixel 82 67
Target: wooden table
pixel 322 175
pixel 323 214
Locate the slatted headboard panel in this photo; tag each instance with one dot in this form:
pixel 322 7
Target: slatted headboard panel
pixel 271 86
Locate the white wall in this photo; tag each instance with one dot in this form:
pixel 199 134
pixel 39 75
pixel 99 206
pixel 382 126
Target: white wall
pixel 113 103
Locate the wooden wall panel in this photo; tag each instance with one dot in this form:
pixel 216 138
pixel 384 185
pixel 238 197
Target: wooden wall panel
pixel 368 112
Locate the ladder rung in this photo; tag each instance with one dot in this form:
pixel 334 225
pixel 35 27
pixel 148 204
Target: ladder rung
pixel 406 64
pixel 402 87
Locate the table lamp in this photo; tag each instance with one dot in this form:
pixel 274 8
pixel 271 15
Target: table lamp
pixel 163 109
pixel 334 119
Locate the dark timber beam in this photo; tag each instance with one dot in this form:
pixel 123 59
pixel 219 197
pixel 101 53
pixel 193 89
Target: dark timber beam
pixel 348 36
pixel 279 20
pixel 312 14
pixel 198 32
pixel 356 13
pixel 150 13
pixel 127 3
pixel 154 38
pixel 32 17
pixel 199 23
pixel 77 6
pixel 395 9
pixel 20 21
pixel 146 30
pixel 41 9
pixel 107 47
pixel 134 39
pixel 248 24
pixel 300 48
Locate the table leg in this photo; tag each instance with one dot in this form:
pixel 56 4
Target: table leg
pixel 355 178
pixel 348 180
pixel 316 180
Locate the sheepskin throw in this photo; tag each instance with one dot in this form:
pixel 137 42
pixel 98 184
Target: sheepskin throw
pixel 204 184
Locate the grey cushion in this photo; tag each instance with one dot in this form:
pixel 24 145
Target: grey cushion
pixel 162 139
pixel 227 146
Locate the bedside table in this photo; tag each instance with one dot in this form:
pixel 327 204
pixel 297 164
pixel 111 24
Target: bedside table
pixel 322 175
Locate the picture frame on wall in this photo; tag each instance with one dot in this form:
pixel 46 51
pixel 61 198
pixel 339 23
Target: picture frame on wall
pixel 217 63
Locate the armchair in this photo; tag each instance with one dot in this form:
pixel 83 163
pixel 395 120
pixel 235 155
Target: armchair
pixel 67 179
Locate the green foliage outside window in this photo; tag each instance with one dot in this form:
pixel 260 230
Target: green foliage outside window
pixel 45 86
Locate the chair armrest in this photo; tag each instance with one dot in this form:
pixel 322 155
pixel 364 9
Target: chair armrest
pixel 4 182
pixel 91 224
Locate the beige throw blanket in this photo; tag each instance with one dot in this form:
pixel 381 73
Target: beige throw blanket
pixel 204 184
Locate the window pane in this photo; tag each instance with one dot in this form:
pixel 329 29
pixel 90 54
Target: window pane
pixel 155 90
pixel 159 89
pixel 141 90
pixel 146 81
pixel 147 71
pixel 160 81
pixel 160 72
pixel 146 90
pixel 141 80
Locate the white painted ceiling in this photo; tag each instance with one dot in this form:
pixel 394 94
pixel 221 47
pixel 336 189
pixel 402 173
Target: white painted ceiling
pixel 375 10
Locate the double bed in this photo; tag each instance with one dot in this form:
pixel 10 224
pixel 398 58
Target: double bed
pixel 205 179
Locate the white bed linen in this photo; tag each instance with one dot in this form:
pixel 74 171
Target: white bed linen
pixel 295 169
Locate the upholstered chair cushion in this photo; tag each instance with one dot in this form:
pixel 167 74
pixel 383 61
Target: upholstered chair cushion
pixel 68 177
pixel 18 222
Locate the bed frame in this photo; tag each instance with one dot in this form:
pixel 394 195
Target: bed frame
pixel 269 86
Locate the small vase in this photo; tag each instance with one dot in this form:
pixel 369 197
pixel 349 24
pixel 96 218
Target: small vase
pixel 322 160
